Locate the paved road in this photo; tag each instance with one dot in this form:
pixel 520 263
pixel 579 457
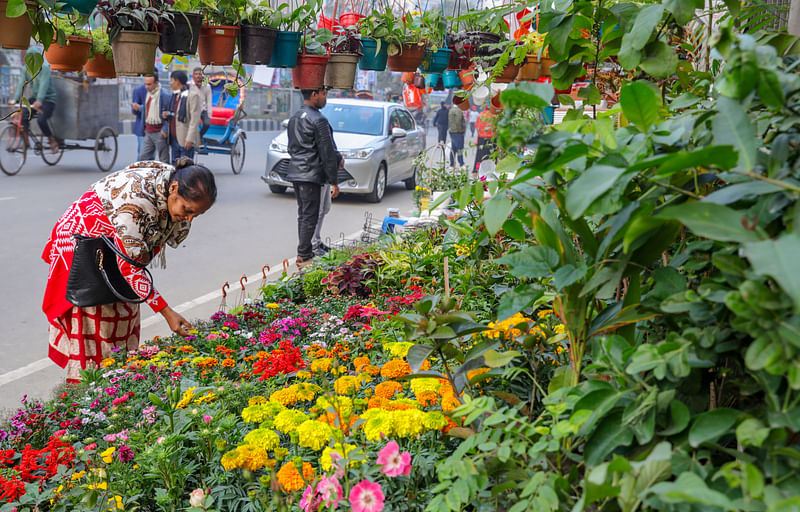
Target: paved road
pixel 247 228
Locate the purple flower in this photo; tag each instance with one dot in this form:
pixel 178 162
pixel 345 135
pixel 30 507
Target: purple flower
pixel 125 454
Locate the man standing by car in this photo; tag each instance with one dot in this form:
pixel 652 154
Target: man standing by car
pixel 314 162
pixel 457 128
pixel 440 121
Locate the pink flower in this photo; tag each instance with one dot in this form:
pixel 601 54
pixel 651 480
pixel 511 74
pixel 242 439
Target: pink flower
pixel 212 336
pixel 330 491
pixel 91 446
pixel 366 496
pixel 207 418
pixel 59 433
pixel 394 463
pixel 310 500
pixel 196 497
pixel 120 400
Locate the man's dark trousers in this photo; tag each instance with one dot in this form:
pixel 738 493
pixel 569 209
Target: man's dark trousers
pixel 308 202
pixel 442 134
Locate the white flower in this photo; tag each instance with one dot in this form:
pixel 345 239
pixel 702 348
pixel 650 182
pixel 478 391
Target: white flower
pixel 196 497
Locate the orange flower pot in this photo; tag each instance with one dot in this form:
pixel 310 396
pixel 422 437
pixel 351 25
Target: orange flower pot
pixel 100 67
pixel 71 57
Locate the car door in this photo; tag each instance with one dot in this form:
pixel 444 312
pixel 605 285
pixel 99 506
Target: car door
pixel 397 149
pixel 414 142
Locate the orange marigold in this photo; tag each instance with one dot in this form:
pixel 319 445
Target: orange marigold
pixel 476 372
pixel 360 362
pixel 372 369
pixel 377 402
pixel 427 398
pixel 290 478
pixel 222 349
pixel 450 402
pixel 388 389
pixel 262 354
pixel 395 368
pixel 228 362
pixel 187 349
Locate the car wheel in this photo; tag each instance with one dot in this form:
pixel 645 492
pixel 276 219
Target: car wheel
pixel 411 183
pixel 379 188
pixel 277 189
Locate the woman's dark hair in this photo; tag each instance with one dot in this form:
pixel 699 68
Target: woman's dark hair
pixel 195 181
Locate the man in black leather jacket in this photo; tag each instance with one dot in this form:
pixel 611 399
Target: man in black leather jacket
pixel 314 162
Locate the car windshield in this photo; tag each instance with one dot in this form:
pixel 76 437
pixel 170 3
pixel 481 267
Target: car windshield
pixel 354 119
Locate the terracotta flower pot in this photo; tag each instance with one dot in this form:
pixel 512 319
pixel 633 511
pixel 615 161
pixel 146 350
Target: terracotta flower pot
pixel 495 105
pixel 509 73
pixel 15 33
pixel 71 57
pixel 310 71
pixel 467 78
pixel 461 102
pixel 544 66
pixel 408 59
pixel 100 66
pixel 529 71
pixel 217 44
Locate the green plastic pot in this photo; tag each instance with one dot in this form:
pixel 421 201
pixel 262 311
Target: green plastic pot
pixel 373 60
pixel 450 79
pixel 284 52
pixel 435 62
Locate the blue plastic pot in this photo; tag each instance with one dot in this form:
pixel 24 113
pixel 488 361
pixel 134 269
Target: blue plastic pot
pixel 82 6
pixel 373 60
pixel 549 114
pixel 450 79
pixel 435 62
pixel 432 80
pixel 284 53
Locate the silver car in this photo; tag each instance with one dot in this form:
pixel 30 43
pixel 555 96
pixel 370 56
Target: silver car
pixel 379 142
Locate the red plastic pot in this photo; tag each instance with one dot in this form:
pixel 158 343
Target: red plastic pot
pixel 350 19
pixel 461 60
pixel 310 71
pixel 217 44
pixel 100 67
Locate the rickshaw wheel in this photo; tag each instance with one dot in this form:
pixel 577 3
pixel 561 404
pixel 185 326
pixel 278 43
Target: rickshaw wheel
pixel 49 157
pixel 105 148
pixel 237 155
pixel 12 161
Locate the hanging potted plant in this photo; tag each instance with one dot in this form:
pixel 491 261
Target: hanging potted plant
pixel 133 32
pixel 406 47
pixel 16 23
pixel 343 62
pixel 101 58
pixel 220 32
pixel 257 35
pixel 180 30
pixel 309 73
pixel 432 31
pixel 374 28
pixel 70 49
pixel 287 40
pixel 478 29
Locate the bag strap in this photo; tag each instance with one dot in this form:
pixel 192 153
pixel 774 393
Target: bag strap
pixel 111 286
pixel 111 245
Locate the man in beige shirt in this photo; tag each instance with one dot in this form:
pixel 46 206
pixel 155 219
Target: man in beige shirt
pixel 183 117
pixel 204 91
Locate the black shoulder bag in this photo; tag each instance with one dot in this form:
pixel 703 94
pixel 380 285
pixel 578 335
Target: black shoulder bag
pixel 95 279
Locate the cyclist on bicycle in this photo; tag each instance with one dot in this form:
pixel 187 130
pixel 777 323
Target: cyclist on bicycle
pixel 42 99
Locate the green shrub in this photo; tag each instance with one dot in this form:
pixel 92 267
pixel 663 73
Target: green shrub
pixel 312 282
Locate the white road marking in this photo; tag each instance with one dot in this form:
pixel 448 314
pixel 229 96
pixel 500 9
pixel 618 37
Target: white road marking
pixel 45 363
pixel 7 198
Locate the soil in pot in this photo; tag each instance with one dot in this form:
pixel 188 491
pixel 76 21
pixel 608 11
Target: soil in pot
pixel 373 59
pixel 15 33
pixel 217 44
pixel 180 36
pixel 73 56
pixel 256 44
pixel 134 52
pixel 408 59
pixel 461 102
pixel 310 71
pixel 340 73
pixel 284 51
pixel 100 66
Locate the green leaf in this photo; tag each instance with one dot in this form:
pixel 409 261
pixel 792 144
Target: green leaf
pixel 590 185
pixel 733 193
pixel 495 359
pixel 33 62
pixel 514 301
pixel 659 60
pixel 531 262
pixel 568 274
pixel 640 105
pixel 496 211
pixel 711 425
pixel 762 352
pixel 711 221
pixel 732 127
pixel 563 377
pixel 690 488
pixel 527 94
pixel 417 355
pixel 752 432
pixel 721 157
pixel 590 94
pixel 683 10
pixel 769 88
pixel 608 435
pixel 643 28
pixel 680 416
pixel 16 8
pixel 776 259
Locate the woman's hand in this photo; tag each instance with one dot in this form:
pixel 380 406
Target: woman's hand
pixel 176 322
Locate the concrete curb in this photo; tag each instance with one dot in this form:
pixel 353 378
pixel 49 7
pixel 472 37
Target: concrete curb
pixel 248 125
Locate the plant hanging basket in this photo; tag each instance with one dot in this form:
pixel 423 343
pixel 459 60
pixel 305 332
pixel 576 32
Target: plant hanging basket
pixel 436 62
pixel 134 52
pixel 84 7
pixel 509 73
pixel 217 44
pixel 409 58
pixel 373 58
pixel 15 33
pixel 284 51
pixel 544 66
pixel 180 36
pixel 467 77
pixel 450 79
pixel 529 71
pixel 100 67
pixel 310 71
pixel 72 56
pixel 256 44
pixel 461 102
pixel 340 72
pixel 349 19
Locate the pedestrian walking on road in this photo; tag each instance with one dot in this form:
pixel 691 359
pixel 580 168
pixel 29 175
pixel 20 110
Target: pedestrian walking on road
pixel 440 121
pixel 314 163
pixel 183 117
pixel 155 141
pixel 142 209
pixel 473 118
pixel 457 128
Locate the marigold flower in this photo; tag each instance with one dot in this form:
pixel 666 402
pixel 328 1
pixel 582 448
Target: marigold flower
pixel 321 365
pixel 395 368
pixel 427 398
pixel 107 362
pixel 347 385
pixel 257 400
pixel 450 402
pixel 290 478
pixel 372 370
pixel 228 363
pixel 398 348
pixel 187 398
pixel 337 403
pixel 313 434
pixel 378 422
pixel 286 396
pixel 360 362
pixel 265 438
pixel 252 457
pixel 434 420
pixel 388 389
pixel 408 422
pixel 272 305
pixel 231 460
pixel 288 420
pixel 260 413
pixel 476 372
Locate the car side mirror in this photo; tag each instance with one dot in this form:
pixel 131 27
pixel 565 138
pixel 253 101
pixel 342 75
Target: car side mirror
pixel 285 124
pixel 398 133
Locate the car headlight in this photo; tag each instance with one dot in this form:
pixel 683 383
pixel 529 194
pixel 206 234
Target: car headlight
pixel 277 146
pixel 360 154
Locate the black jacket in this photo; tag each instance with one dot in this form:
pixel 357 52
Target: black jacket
pixel 314 157
pixel 440 120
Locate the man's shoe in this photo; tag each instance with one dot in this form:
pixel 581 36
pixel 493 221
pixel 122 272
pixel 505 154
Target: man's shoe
pixel 321 249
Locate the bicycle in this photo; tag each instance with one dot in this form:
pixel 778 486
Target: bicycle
pixel 15 141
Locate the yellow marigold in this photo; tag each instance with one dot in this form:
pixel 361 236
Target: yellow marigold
pixel 253 457
pixel 263 437
pixel 115 503
pixel 286 396
pixel 261 413
pixel 187 349
pixel 378 422
pixel 306 391
pixel 313 434
pixel 231 460
pixel 257 400
pixel 272 305
pixel 288 420
pixel 343 452
pixel 208 397
pixel 321 365
pixel 340 404
pixel 559 329
pixel 228 362
pixel 422 384
pixel 347 385
pixel 372 369
pixel 360 362
pixel 543 313
pixel 398 348
pixel 187 398
pixel 262 354
pixel 205 362
pixel 408 422
pixel 434 420
pixel 388 389
pixel 105 363
pixel 395 368
pixel 507 328
pixel 290 478
pixel 302 374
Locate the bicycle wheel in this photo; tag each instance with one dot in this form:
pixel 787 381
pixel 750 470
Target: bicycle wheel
pixel 105 148
pixel 48 156
pixel 237 155
pixel 13 150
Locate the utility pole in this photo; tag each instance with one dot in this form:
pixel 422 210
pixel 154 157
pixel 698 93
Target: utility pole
pixel 793 26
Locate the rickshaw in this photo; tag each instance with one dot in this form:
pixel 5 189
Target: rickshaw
pixel 225 135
